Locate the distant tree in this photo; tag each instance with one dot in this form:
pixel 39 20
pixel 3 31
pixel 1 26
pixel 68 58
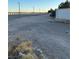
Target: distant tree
pixel 50 11
pixel 64 5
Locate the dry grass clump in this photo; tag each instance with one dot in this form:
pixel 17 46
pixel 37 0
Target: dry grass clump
pixel 24 46
pixel 22 51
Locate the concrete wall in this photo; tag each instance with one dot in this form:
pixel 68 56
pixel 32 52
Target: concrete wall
pixel 63 14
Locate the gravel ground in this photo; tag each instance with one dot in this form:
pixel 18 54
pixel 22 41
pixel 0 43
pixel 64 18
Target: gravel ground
pixel 51 37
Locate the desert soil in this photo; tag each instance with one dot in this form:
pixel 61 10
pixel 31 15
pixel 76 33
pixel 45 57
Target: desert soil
pixel 45 33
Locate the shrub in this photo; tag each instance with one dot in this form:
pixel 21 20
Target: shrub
pixel 50 11
pixel 24 50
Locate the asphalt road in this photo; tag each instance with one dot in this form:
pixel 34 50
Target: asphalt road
pixel 51 37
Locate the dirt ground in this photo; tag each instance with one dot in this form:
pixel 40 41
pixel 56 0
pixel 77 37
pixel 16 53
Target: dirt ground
pixel 48 35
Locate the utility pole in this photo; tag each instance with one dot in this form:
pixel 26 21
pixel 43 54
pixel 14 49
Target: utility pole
pixel 33 9
pixel 67 0
pixel 19 8
pixel 66 30
pixel 39 10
